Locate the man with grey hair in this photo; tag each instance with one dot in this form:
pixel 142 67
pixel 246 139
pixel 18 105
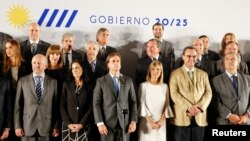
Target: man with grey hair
pixel 34 45
pixel 36 106
pixel 68 52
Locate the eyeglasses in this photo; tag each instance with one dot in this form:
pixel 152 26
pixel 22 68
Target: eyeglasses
pixel 190 56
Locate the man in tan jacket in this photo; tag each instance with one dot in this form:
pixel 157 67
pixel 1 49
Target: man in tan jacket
pixel 191 94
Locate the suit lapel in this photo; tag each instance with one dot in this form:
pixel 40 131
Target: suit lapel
pixel 110 82
pixel 186 76
pixel 240 86
pixel 45 87
pixel 31 79
pixel 72 89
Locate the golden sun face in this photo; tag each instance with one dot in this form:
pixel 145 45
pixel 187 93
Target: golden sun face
pixel 18 16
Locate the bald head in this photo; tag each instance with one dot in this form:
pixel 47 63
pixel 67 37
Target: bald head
pixel 39 64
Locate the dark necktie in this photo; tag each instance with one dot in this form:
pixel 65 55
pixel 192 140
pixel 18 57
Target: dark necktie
pixel 67 60
pixel 93 66
pixel 33 48
pixel 154 59
pixel 103 52
pixel 235 83
pixel 198 63
pixel 115 81
pixel 38 87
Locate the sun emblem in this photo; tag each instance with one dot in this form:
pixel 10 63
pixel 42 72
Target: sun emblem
pixel 18 16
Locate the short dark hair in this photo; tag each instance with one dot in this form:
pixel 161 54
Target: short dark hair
pixel 186 48
pixel 203 36
pixel 157 24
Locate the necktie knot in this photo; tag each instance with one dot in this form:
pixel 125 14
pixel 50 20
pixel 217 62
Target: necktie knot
pixel 154 59
pixel 33 48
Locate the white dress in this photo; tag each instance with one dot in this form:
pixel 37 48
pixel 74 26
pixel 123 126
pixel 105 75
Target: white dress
pixel 153 102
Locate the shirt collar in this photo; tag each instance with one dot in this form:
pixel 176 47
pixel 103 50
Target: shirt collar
pixel 230 75
pixel 115 75
pixel 34 75
pixel 31 42
pixel 188 69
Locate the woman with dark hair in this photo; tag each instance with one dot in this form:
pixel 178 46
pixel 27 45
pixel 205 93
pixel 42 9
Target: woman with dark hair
pixel 13 67
pixel 76 105
pixel 55 70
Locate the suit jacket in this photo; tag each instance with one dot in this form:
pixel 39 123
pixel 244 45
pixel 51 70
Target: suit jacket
pixel 31 114
pixel 42 48
pixel 184 94
pixel 220 68
pixel 227 100
pixel 211 55
pixel 5 105
pixel 107 51
pixel 167 51
pixel 142 69
pixel 206 65
pixel 76 107
pixel 100 70
pixel 108 106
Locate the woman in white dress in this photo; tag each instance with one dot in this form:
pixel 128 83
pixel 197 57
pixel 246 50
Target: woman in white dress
pixel 154 105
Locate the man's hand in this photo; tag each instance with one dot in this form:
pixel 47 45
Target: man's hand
pixel 103 129
pixel 233 118
pixel 132 127
pixel 243 119
pixel 19 132
pixel 55 132
pixel 5 134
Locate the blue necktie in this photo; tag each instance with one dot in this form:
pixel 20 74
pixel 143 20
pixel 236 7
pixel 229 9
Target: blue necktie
pixel 115 81
pixel 235 83
pixel 38 87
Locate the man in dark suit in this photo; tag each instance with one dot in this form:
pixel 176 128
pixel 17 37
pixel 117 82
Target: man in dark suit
pixel 36 107
pixel 102 37
pixel 34 45
pixel 166 47
pixel 208 54
pixel 232 92
pixel 68 52
pixel 5 109
pixel 94 67
pixel 114 102
pixel 153 53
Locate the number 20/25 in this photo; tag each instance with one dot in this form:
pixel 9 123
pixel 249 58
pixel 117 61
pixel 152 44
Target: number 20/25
pixel 172 22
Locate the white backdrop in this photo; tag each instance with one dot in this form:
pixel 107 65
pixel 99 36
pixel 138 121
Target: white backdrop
pixel 132 20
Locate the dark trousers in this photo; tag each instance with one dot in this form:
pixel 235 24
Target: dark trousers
pixel 187 133
pixel 114 134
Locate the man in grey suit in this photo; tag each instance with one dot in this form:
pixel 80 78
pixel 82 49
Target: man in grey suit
pixel 232 94
pixel 114 96
pixel 36 110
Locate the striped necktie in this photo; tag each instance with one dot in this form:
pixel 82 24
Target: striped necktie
pixel 38 87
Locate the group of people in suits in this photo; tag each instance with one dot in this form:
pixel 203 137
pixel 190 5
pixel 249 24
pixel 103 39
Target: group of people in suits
pixel 51 92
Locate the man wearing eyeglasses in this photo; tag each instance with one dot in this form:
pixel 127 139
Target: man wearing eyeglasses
pixel 191 94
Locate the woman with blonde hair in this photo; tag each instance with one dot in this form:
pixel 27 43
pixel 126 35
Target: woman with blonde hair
pixel 154 105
